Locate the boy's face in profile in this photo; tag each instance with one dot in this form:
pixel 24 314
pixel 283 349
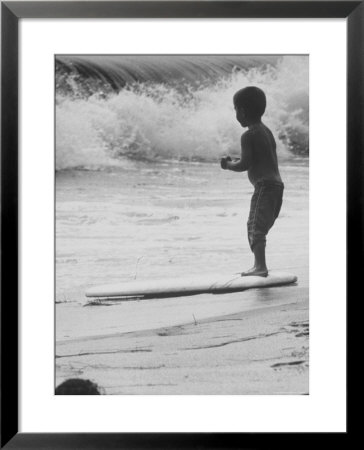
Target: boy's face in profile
pixel 241 116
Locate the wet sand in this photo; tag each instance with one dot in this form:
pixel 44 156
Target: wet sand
pixel 261 351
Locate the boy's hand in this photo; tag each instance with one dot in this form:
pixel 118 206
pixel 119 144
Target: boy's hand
pixel 224 162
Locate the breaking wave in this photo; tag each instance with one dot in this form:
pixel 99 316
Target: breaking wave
pixel 111 109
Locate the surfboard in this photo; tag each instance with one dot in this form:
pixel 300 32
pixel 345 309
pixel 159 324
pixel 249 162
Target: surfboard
pixel 184 286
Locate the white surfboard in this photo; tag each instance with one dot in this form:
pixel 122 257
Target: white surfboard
pixel 182 286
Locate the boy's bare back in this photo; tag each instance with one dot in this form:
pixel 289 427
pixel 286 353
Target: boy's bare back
pixel 258 149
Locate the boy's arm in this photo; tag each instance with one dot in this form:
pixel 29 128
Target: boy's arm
pixel 244 162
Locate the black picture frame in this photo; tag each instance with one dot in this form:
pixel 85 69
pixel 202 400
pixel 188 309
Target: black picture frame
pixel 11 13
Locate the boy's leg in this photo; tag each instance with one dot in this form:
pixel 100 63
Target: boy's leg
pixel 255 235
pixel 264 209
pixel 260 266
pixel 259 256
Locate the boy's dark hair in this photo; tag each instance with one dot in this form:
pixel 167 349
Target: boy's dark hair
pixel 77 386
pixel 253 100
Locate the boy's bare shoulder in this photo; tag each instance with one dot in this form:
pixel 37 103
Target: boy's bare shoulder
pixel 251 137
pixel 247 136
pixel 258 134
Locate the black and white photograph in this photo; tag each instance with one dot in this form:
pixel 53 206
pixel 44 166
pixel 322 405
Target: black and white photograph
pixel 181 224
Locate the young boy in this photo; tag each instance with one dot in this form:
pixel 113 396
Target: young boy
pixel 259 158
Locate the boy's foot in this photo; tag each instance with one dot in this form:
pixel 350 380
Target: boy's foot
pixel 255 273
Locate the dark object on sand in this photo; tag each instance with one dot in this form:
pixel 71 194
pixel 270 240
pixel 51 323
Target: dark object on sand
pixel 77 386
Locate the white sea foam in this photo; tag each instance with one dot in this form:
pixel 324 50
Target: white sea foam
pixel 179 120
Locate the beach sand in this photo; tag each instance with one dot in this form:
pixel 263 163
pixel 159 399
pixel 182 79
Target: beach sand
pixel 260 351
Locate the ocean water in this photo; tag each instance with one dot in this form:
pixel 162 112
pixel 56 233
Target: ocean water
pixel 139 190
